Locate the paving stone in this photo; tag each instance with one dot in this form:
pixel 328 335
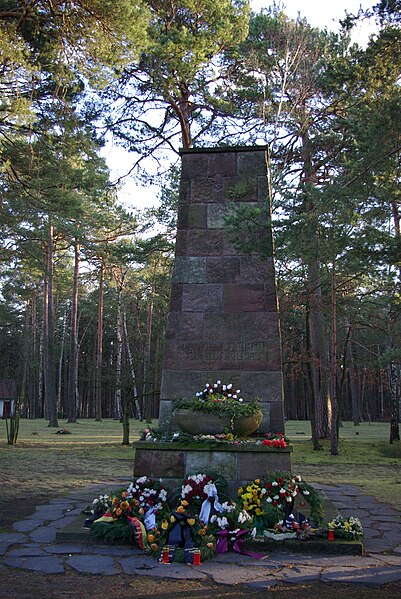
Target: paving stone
pixel 43 534
pixel 150 567
pixel 299 574
pixel 261 585
pixel 93 564
pixel 60 549
pixel 244 560
pixel 366 577
pixel 394 560
pixel 370 533
pixel 62 523
pixel 9 538
pixel 26 552
pixel 232 573
pixel 45 565
pixel 27 525
pixel 126 551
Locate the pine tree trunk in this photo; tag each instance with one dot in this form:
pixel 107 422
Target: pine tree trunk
pixel 394 403
pixel 73 357
pixel 99 350
pixel 50 382
pixel 333 368
pixel 117 394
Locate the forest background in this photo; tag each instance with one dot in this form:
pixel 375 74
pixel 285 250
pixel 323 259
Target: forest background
pixel 85 282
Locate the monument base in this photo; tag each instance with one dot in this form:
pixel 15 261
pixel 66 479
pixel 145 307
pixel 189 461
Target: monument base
pixel 237 464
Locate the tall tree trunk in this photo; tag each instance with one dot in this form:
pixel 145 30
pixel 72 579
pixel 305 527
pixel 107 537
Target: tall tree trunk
pixel 333 369
pixel 132 370
pixel 99 348
pixel 312 401
pixel 394 403
pixel 73 357
pixel 50 382
pixel 60 364
pixel 117 394
pixel 146 386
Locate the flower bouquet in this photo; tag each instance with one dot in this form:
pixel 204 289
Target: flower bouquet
pixel 346 528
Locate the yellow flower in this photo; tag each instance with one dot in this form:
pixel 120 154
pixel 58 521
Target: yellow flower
pixel 191 521
pixel 240 491
pixel 165 523
pixel 210 545
pixel 201 532
pixel 151 538
pixel 118 511
pixel 180 509
pixel 124 505
pixel 172 519
pixel 185 503
pixel 154 546
pixel 257 481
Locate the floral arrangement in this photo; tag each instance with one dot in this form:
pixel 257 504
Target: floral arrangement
pixel 195 518
pixel 222 399
pixel 275 440
pixel 347 528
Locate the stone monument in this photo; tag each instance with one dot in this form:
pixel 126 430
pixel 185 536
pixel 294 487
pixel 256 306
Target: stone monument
pixel 223 317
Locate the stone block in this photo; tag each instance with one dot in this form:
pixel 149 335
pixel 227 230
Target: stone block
pixel 222 163
pixel 225 327
pixel 263 190
pixel 192 216
pixel 184 193
pixel 223 269
pixel 248 355
pixel 194 166
pixel 253 465
pixel 202 298
pixel 252 164
pixel 256 270
pixel 176 297
pixel 222 463
pixel 185 383
pixel 205 191
pixel 245 298
pixel 240 189
pixel 260 326
pixel 185 325
pixel 268 386
pixel 189 269
pixel 205 242
pixel 216 214
pixel 181 243
pixel 192 355
pixel 159 463
pixel 276 416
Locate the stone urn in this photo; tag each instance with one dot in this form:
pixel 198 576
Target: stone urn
pixel 204 423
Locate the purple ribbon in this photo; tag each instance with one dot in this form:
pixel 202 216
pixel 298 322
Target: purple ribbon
pixel 236 539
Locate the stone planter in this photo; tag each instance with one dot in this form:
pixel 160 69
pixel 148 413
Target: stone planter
pixel 200 423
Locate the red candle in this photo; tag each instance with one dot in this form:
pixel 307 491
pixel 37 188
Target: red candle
pixel 165 556
pixel 197 557
pixel 330 535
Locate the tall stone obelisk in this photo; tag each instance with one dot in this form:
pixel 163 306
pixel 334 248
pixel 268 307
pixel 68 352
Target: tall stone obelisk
pixel 223 319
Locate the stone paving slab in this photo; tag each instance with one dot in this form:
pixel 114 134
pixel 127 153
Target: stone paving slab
pixel 135 566
pixel 232 573
pixel 27 525
pixel 46 565
pixel 43 535
pixel 93 564
pixel 300 574
pixel 366 577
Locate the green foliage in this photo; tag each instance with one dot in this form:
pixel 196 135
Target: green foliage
pixel 117 533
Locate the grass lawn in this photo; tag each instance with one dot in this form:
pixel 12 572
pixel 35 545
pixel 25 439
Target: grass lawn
pixel 44 464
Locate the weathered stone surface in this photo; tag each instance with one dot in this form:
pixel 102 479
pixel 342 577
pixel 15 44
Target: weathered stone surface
pixel 245 355
pixel 46 565
pixel 185 325
pixel 266 385
pixel 255 269
pixel 221 269
pixel 202 298
pixel 205 191
pixel 27 525
pixel 192 216
pixel 276 416
pixel 252 466
pixel 240 189
pixel 231 574
pixel 369 577
pixel 43 535
pixel 160 463
pixel 225 327
pixel 133 566
pixel 248 298
pixel 212 461
pixel 93 564
pixel 230 295
pixel 182 355
pixel 189 269
pixel 204 242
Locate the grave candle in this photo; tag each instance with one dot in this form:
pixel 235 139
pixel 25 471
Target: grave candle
pixel 165 556
pixel 330 535
pixel 197 557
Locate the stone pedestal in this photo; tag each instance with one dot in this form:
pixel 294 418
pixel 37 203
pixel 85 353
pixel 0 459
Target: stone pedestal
pixel 223 319
pixel 237 464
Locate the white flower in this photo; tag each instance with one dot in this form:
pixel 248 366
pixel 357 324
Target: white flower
pixel 207 385
pixel 222 522
pixel 282 490
pixel 213 518
pixel 289 498
pixel 238 391
pixel 198 394
pixel 276 497
pixel 274 484
pixel 224 387
pixel 229 386
pixel 229 395
pixel 219 382
pixel 234 397
pixel 240 399
pixel 263 491
pixel 269 500
pixel 305 493
pixel 253 532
